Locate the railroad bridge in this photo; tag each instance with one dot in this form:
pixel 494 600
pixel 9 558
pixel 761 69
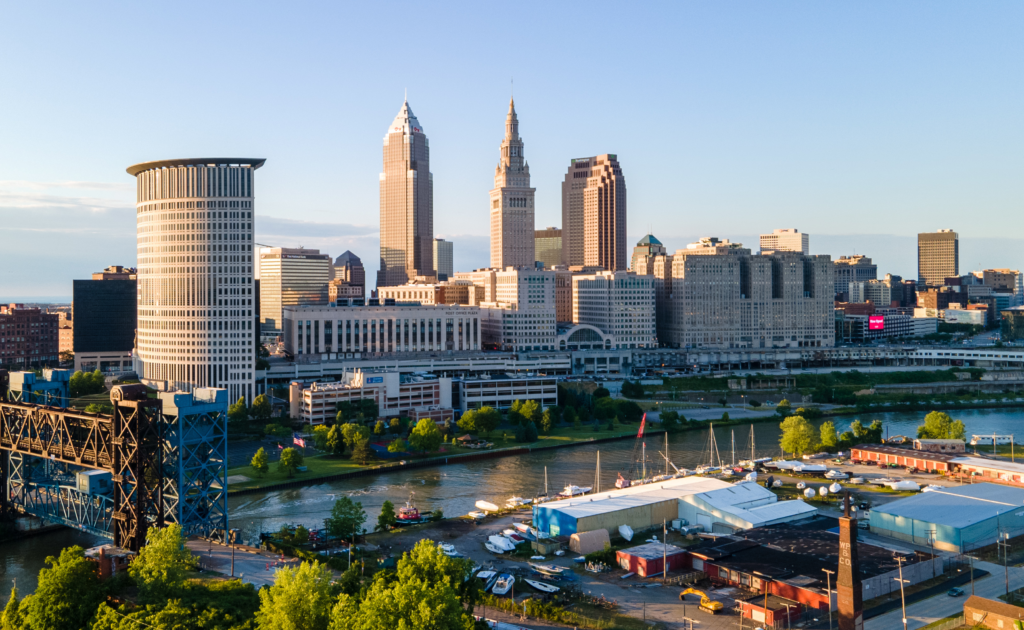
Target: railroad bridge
pixel 151 462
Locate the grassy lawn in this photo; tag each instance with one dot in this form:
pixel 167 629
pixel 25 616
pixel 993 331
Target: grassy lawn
pixel 318 466
pixel 91 399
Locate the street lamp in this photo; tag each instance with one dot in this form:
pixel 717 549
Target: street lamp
pixel 828 588
pixel 903 600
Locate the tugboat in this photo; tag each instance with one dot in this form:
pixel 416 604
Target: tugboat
pixel 409 514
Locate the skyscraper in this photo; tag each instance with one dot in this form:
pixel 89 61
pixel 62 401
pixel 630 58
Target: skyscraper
pixel 195 274
pixel 938 257
pixel 547 246
pixel 349 278
pixel 290 277
pixel 512 202
pixel 104 324
pixel 594 214
pixel 604 215
pixel 444 259
pixel 786 240
pixel 406 203
pixel 647 246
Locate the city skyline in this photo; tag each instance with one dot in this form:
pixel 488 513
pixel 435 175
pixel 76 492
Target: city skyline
pixel 845 144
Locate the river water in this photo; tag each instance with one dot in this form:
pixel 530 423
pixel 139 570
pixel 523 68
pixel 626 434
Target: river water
pixel 455 488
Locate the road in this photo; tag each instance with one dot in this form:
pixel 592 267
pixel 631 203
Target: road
pixel 925 612
pixel 253 568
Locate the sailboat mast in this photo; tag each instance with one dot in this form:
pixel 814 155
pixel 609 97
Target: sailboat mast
pixel 666 453
pixel 597 474
pixel 644 470
pixel 545 481
pixel 732 432
pixel 751 442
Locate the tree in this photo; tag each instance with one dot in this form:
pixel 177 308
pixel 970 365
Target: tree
pixel 13 615
pixel 300 599
pixel 939 426
pixel 548 420
pixel 301 536
pixel 261 409
pixel 425 436
pixel 858 430
pixel 387 518
pixel 632 390
pixel 428 590
pixel 783 408
pixel 238 412
pixel 397 446
pixel 584 416
pixel 670 421
pixel 353 432
pixel 335 440
pixel 260 463
pixel 395 425
pixel 569 416
pixel 379 428
pixel 874 432
pixel 320 433
pixel 347 518
pixel 829 439
pixel 725 416
pixel 487 419
pixel 66 356
pixel 361 452
pixel 723 401
pixel 753 403
pixel 798 435
pixel 67 595
pixel 290 461
pixel 601 392
pixel 531 411
pixel 515 418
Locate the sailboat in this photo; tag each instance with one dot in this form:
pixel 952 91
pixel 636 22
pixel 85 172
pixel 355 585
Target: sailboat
pixel 753 462
pixel 710 454
pixel 627 480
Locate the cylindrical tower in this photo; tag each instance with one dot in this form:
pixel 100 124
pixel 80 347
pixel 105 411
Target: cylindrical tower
pixel 195 274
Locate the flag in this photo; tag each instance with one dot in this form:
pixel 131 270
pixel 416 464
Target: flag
pixel 299 441
pixel 280 446
pixel 642 421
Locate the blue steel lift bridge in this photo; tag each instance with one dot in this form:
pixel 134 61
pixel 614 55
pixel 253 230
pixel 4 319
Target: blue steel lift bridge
pixel 152 462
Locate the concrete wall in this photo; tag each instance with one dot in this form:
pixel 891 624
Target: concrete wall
pixel 639 518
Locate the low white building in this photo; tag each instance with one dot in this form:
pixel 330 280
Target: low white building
pixel 396 394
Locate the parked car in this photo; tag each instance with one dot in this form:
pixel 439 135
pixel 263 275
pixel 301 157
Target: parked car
pixel 955 592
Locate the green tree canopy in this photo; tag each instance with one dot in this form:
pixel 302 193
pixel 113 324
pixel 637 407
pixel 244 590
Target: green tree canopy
pixel 379 428
pixel 397 445
pixel 569 416
pixel 290 461
pixel 361 452
pixel 939 426
pixel 467 423
pixel 425 436
pixel 548 420
pixel 335 440
pixel 353 432
pixel 783 408
pixel 260 464
pixel 347 518
pixel 300 599
pixel 68 593
pixel 161 566
pixel 487 419
pixel 261 409
pixel 238 411
pixel 320 434
pixel 798 435
pixel 829 438
pixel 531 411
pixel 12 618
pixel 387 518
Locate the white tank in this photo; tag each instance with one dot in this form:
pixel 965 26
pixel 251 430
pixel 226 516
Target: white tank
pixel 801 485
pixel 809 493
pixel 777 484
pixel 823 491
pixel 835 487
pixel 751 476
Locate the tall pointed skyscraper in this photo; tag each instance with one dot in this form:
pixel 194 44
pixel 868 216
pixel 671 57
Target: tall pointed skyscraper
pixel 512 202
pixel 406 203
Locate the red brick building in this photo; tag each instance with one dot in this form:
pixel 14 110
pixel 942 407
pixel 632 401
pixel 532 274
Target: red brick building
pixel 902 457
pixel 28 336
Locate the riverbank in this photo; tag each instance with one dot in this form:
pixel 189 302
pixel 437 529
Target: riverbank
pixel 324 468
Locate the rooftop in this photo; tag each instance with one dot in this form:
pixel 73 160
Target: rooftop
pixel 405 121
pixel 624 498
pixel 652 551
pixel 148 166
pixel 991 464
pixel 906 452
pixel 957 507
pixel 648 240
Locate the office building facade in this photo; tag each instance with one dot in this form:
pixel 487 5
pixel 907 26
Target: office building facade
pixel 105 319
pixel 645 247
pixel 938 257
pixel 573 185
pixel 849 269
pixel 406 203
pixel 444 259
pixel 723 297
pixel 28 336
pixel 522 315
pixel 604 215
pixel 512 202
pixel 290 277
pixel 352 330
pixel 617 303
pixel 350 275
pixel 195 274
pixel 788 240
pixel 547 246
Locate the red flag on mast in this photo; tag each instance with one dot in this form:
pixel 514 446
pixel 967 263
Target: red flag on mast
pixel 642 421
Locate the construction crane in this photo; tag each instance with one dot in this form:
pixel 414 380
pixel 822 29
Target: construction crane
pixel 707 604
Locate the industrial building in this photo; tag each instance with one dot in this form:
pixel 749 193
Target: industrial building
pixel 717 505
pixel 990 469
pixel 902 457
pixel 953 519
pixel 647 560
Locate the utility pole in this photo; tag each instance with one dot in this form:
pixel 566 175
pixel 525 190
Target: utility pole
pixel 1004 546
pixel 903 600
pixel 828 588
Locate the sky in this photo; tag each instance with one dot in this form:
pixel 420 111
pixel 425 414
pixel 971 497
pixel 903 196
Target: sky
pixel 861 124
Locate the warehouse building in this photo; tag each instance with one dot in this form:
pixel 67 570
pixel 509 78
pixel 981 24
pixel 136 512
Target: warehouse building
pixel 649 559
pixel 990 469
pixel 902 457
pixel 717 505
pixel 957 519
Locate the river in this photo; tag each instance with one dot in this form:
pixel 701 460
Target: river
pixel 456 487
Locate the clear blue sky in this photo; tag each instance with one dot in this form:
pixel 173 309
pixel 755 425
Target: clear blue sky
pixel 846 120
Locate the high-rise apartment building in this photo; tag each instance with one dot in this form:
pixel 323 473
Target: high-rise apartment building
pixel 195 274
pixel 291 277
pixel 522 315
pixel 512 202
pixel 938 257
pixel 547 245
pixel 723 297
pixel 406 203
pixel 604 215
pixel 617 303
pixel 788 240
pixel 444 259
pixel 647 246
pixel 349 279
pixel 849 269
pixel 28 336
pixel 878 292
pixel 105 319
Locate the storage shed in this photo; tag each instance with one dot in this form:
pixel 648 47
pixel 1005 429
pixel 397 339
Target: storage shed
pixel 589 542
pixel 647 560
pixel 962 518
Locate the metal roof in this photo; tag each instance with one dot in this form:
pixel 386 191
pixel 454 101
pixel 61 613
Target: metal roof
pixel 622 499
pixel 736 500
pixel 652 551
pixel 991 464
pixel 957 507
pixel 148 166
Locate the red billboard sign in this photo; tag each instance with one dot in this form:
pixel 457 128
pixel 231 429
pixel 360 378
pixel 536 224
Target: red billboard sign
pixel 876 322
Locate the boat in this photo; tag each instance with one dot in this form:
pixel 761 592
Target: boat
pixel 571 491
pixel 503 584
pixel 560 552
pixel 409 513
pixel 493 548
pixel 835 487
pixel 800 485
pixel 777 483
pixel 523 527
pixel 516 502
pixel 477 515
pixel 856 480
pixel 547 569
pixel 508 531
pixel 501 543
pixel 836 474
pixel 516 539
pixel 622 482
pixel 579 560
pixel 626 532
pixel 448 550
pixel 706 470
pixel 486 506
pixel 932 488
pixel 488 578
pixel 905 485
pixel 542 586
pixel 751 476
pixel 810 468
